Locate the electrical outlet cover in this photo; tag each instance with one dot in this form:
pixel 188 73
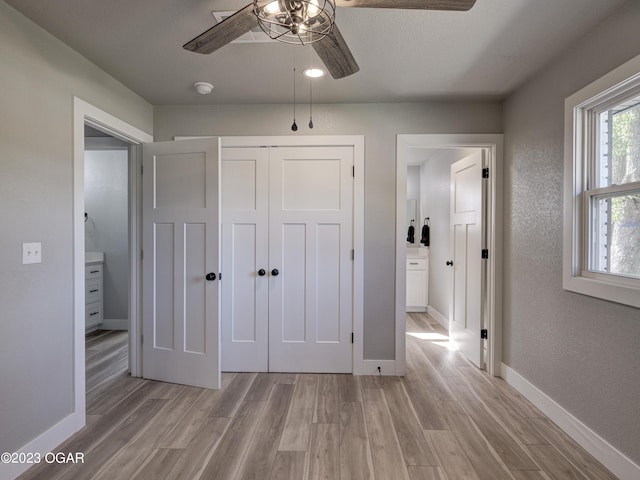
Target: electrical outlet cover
pixel 31 253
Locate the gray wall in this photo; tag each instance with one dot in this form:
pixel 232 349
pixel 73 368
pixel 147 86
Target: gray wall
pixel 380 123
pixel 106 199
pixel 581 351
pixel 38 78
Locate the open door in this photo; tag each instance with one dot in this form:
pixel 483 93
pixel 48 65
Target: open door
pixel 181 288
pixel 466 316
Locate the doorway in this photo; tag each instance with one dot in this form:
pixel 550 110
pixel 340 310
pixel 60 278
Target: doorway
pixel 107 258
pixel 87 114
pixel 443 150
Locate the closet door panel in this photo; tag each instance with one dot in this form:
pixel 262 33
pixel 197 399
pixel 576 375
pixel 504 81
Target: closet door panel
pixel 245 302
pixel 310 241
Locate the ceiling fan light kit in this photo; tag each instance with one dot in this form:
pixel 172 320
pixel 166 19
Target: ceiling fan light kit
pixel 295 21
pixel 307 21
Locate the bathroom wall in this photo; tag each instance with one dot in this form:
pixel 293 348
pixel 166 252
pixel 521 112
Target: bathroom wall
pixel 107 226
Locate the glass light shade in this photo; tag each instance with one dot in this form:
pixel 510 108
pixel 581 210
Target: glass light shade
pixel 295 21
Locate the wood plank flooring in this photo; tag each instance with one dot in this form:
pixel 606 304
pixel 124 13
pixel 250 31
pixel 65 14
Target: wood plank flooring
pixel 444 420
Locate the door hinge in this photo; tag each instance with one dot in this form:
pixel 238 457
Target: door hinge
pixel 141 339
pixel 220 276
pixel 484 334
pixel 485 253
pixel 351 337
pixel 141 254
pixel 485 173
pixel 353 171
pixel 353 254
pixel 141 169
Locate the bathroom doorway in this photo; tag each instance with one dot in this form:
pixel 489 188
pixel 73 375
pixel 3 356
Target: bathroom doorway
pixel 435 154
pixel 107 258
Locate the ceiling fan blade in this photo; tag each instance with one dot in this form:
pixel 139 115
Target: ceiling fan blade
pixel 335 54
pixel 224 32
pixel 460 5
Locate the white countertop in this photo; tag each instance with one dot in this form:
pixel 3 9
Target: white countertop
pixel 417 251
pixel 91 258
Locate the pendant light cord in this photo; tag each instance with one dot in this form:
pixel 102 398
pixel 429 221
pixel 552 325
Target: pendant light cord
pixel 294 126
pixel 310 92
pixel 310 103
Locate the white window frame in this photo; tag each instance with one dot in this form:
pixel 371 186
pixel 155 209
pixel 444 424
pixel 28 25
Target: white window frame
pixel 581 110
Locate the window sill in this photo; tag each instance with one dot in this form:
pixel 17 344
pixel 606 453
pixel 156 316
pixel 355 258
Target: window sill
pixel 592 287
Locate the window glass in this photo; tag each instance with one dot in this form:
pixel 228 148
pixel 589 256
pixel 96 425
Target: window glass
pixel 619 150
pixel 615 235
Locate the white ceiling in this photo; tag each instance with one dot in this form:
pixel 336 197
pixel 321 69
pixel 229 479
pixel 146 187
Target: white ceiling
pixel 404 55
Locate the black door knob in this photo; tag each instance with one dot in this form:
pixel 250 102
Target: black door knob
pixel 275 272
pixel 261 272
pixel 210 277
pixel 450 262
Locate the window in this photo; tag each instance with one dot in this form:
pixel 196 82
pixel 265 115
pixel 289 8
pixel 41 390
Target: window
pixel 602 187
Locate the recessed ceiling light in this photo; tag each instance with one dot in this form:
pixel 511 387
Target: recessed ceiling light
pixel 203 88
pixel 313 72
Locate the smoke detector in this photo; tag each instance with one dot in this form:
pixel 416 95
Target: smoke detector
pixel 203 88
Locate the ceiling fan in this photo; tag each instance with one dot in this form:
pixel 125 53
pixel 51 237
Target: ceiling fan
pixel 306 21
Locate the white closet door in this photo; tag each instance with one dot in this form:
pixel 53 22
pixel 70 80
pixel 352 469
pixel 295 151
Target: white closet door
pixel 310 266
pixel 245 224
pixel 181 259
pixel 468 269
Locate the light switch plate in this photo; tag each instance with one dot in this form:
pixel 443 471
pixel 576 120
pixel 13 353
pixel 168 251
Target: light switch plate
pixel 31 253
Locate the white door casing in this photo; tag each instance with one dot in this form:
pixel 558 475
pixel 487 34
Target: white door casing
pixel 287 211
pixel 181 246
pixel 466 313
pixel 245 247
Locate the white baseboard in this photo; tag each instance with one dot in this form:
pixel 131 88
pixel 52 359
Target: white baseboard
pixel 115 324
pixel 416 309
pixel 442 320
pixel 370 367
pixel 619 464
pixel 44 444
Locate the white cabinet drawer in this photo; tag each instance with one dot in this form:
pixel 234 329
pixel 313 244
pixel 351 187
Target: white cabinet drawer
pixel 93 296
pixel 416 263
pixel 93 290
pixel 92 271
pixel 93 314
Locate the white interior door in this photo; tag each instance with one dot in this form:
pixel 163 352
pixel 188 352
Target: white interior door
pixel 245 260
pixel 466 319
pixel 181 255
pixel 310 267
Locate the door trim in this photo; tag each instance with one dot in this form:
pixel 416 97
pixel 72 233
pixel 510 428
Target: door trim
pixel 357 142
pixel 493 143
pixel 85 113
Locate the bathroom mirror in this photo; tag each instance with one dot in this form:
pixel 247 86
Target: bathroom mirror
pixel 412 213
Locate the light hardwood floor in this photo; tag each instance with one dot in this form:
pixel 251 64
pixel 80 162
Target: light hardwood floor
pixel 444 420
